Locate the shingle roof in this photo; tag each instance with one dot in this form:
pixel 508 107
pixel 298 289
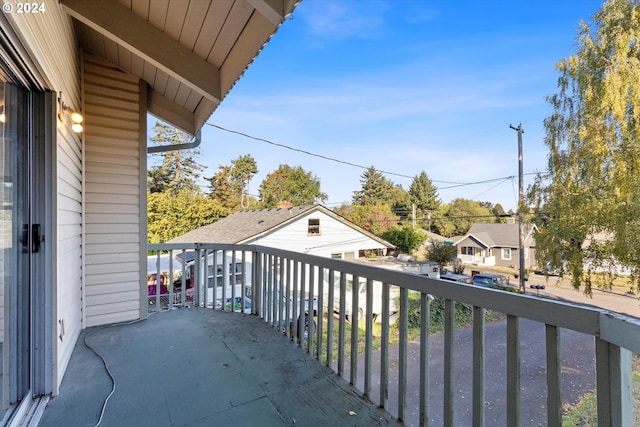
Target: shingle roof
pixel 498 235
pixel 241 226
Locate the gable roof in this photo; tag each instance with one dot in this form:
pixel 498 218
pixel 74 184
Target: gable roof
pixel 497 235
pixel 243 226
pixel 190 54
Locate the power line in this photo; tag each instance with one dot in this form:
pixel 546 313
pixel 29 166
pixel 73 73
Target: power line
pixel 331 159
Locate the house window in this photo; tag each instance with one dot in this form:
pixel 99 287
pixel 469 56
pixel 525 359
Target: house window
pixel 506 253
pixel 468 250
pixel 370 253
pixel 336 256
pixel 314 227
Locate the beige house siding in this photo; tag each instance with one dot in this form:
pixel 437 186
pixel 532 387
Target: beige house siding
pixel 113 194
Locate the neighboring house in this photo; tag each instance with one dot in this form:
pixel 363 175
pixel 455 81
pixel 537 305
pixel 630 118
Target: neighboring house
pixel 310 229
pixel 496 245
pixel 73 249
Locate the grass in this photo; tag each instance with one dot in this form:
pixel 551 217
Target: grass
pixel 585 414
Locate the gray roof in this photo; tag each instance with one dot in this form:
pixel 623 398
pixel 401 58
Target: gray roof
pixel 498 235
pixel 243 226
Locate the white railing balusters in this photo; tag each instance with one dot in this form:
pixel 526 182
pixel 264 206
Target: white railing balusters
pixel 355 316
pixel 368 338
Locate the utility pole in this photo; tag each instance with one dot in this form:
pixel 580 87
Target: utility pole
pixel 521 274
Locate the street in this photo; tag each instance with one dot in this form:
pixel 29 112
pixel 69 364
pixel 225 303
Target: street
pixel 577 360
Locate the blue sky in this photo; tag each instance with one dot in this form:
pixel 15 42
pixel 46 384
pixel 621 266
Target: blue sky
pixel 404 86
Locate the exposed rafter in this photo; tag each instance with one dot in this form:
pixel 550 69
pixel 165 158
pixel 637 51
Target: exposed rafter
pixel 273 10
pixel 143 39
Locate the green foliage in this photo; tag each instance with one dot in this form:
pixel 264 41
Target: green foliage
pixel 404 238
pixel 376 189
pixel 179 170
pixel 228 185
pixel 588 198
pixel 373 218
pixel 442 253
pixel 294 185
pixel 170 216
pixel 424 195
pixel 460 215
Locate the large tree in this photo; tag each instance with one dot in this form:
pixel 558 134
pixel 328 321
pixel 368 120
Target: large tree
pixel 460 215
pixel 178 170
pixel 229 184
pixel 588 198
pixel 376 189
pixel 171 215
pixel 373 218
pixel 424 195
pixel 294 185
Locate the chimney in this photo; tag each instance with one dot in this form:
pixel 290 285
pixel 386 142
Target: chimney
pixel 511 220
pixel 283 204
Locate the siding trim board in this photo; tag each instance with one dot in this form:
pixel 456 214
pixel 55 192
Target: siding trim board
pixel 112 293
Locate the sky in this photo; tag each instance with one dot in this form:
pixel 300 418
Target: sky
pixel 404 86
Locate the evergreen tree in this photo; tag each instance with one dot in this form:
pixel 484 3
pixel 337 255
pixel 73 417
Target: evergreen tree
pixel 179 170
pixel 229 184
pixel 376 189
pixel 424 195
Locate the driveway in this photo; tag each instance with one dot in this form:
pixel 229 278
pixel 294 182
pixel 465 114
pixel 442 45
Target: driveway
pixel 578 374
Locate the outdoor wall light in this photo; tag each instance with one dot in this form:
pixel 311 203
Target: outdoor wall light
pixel 76 118
pixel 2 116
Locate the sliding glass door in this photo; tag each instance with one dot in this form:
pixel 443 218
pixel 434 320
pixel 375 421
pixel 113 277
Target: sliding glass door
pixel 25 299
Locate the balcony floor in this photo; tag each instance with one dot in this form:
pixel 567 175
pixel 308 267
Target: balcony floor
pixel 199 367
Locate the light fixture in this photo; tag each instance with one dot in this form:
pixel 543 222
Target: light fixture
pixel 2 116
pixel 76 118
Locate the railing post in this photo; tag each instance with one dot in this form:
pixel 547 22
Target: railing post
pixel 554 399
pixel 355 313
pixel 478 366
pixel 425 330
pixel 613 382
pixel 449 330
pixel 384 349
pixel 368 338
pixel 513 370
pixel 402 354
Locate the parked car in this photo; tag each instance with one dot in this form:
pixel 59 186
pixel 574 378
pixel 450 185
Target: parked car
pixel 462 278
pixel 489 279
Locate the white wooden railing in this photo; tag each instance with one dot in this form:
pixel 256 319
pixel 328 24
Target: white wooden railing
pixel 269 275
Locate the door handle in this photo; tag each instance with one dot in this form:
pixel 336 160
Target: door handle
pixel 24 238
pixel 35 238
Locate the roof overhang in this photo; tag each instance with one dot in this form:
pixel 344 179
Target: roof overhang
pixel 189 53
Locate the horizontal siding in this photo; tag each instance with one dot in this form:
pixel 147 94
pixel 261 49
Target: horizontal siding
pixel 112 200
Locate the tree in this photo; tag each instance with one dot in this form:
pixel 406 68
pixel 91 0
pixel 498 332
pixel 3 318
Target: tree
pixel 588 198
pixel 424 195
pixel 442 253
pixel 373 218
pixel 406 239
pixel 179 169
pixel 460 215
pixel 376 189
pixel 229 184
pixel 294 185
pixel 170 216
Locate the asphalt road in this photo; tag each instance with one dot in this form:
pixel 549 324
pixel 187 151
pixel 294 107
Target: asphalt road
pixel 577 361
pixel 562 290
pixel 578 375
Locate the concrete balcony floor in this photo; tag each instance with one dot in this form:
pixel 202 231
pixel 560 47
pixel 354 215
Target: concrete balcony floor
pixel 199 367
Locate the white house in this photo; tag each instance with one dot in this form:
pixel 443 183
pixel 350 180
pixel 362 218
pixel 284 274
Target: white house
pixel 74 239
pixel 310 229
